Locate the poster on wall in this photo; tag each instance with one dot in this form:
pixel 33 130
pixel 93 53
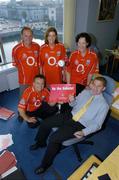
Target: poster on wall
pixel 106 11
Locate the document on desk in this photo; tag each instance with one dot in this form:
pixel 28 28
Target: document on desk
pixel 116 104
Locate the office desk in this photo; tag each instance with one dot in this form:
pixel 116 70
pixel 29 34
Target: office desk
pixel 115 53
pixel 79 172
pixel 115 111
pixel 110 166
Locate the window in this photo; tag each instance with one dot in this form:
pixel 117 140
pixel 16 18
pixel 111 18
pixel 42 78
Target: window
pixel 37 14
pixel 2 58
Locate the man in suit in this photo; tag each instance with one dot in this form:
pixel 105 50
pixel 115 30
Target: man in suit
pixel 94 107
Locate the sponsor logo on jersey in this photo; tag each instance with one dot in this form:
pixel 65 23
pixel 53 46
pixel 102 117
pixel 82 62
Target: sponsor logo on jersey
pixel 80 68
pixel 37 103
pixel 30 61
pixel 51 61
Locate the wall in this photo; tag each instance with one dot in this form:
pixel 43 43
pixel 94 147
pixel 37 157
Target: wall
pixel 8 78
pixel 82 8
pixel 81 14
pixel 104 31
pixel 69 22
pixel 86 20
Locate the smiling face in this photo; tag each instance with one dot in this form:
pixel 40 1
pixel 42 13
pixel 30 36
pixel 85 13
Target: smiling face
pixel 51 38
pixel 82 45
pixel 27 37
pixel 38 84
pixel 97 87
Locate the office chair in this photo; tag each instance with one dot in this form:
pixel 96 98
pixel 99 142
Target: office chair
pixel 111 84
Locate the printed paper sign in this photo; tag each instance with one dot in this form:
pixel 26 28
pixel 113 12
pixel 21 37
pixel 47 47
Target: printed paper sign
pixel 61 92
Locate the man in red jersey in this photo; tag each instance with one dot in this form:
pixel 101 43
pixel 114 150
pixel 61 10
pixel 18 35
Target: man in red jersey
pixel 25 57
pixel 83 63
pixel 34 102
pixel 52 57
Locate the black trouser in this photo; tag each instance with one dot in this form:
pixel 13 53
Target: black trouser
pixel 66 129
pixel 79 88
pixel 43 112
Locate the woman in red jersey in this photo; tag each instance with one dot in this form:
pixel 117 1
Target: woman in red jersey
pixel 83 63
pixel 52 57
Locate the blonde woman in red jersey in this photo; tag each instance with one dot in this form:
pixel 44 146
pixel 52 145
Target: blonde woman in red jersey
pixel 52 57
pixel 83 63
pixel 25 57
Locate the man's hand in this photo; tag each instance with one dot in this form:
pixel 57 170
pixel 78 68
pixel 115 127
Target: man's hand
pixel 52 103
pixel 79 134
pixel 60 102
pixel 31 120
pixel 71 98
pixel 87 87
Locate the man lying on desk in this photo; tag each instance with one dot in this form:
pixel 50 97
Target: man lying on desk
pixel 77 122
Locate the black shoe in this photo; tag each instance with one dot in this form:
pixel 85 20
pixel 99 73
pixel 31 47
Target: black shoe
pixel 40 170
pixel 36 146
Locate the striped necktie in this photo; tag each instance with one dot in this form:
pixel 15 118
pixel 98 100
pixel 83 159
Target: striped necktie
pixel 80 113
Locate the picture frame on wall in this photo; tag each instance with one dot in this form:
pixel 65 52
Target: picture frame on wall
pixel 106 11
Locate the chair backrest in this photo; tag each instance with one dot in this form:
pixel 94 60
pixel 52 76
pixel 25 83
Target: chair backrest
pixel 111 85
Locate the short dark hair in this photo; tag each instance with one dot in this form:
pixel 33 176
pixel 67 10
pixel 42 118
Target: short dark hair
pixel 51 29
pixel 84 35
pixel 26 28
pixel 41 76
pixel 102 79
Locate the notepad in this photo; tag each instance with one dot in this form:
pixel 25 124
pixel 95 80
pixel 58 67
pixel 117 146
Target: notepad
pixel 7 161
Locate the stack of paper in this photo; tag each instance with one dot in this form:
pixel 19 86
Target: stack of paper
pixel 7 163
pixel 116 104
pixel 116 92
pixel 5 141
pixel 6 113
